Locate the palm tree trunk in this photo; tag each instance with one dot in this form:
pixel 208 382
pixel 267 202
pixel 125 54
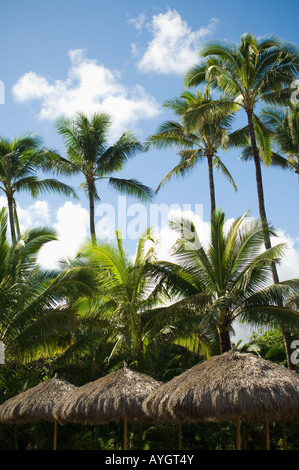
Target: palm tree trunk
pixel 10 203
pixel 91 211
pixel 262 212
pixel 211 184
pixel 225 344
pixel 259 184
pixel 224 336
pixel 16 219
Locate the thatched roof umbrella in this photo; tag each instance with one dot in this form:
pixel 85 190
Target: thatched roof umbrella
pixel 36 404
pixel 155 405
pixel 117 396
pixel 232 387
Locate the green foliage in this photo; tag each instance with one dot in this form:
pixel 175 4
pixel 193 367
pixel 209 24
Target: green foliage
pixel 105 307
pixel 284 128
pixel 269 344
pixel 36 306
pixel 228 279
pixel 89 153
pixel 197 139
pixel 20 160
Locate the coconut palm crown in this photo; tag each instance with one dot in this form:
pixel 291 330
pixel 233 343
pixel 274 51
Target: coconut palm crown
pixel 201 140
pixel 229 278
pixel 258 70
pixel 126 295
pixel 20 161
pixel 89 153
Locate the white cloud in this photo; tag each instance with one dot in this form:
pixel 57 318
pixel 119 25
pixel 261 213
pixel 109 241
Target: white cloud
pixel 138 22
pixel 168 237
pixel 289 266
pixel 174 47
pixel 72 226
pixel 37 214
pixel 89 87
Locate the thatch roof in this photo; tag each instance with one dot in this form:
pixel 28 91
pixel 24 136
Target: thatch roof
pixel 156 404
pixel 231 386
pixel 118 395
pixel 36 403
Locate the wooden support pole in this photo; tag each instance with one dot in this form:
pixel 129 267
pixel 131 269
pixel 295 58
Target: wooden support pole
pixel 125 433
pixel 267 435
pixel 284 437
pixel 55 435
pixel 238 434
pixel 180 436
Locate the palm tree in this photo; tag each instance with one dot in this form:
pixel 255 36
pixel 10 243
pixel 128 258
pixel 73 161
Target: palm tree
pixel 201 140
pixel 229 279
pixel 125 319
pixel 284 125
pixel 125 294
pixel 37 307
pixel 20 160
pixel 258 70
pixel 89 153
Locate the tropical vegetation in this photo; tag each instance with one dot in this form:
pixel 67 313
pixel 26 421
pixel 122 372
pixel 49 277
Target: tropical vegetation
pixel 202 140
pixel 20 161
pixel 108 306
pixel 89 153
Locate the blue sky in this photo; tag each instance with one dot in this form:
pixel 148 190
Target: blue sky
pixel 126 58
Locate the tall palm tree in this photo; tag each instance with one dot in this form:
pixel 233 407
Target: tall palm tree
pixel 125 293
pixel 200 141
pixel 228 279
pixel 20 160
pixel 125 320
pixel 37 307
pixel 89 153
pixel 258 70
pixel 255 71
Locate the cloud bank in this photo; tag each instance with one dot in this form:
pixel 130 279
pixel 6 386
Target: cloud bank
pixel 72 225
pixel 89 87
pixel 71 221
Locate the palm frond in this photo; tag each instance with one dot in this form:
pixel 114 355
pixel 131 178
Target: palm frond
pixel 114 158
pixel 217 163
pixel 188 161
pixel 132 187
pixel 37 186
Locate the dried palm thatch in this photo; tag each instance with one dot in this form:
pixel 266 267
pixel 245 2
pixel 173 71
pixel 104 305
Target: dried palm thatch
pixel 232 387
pixel 36 404
pixel 155 406
pixel 235 386
pixel 110 398
pixel 117 396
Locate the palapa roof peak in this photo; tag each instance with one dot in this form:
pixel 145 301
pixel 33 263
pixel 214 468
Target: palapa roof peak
pixel 227 387
pixel 117 395
pixel 36 403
